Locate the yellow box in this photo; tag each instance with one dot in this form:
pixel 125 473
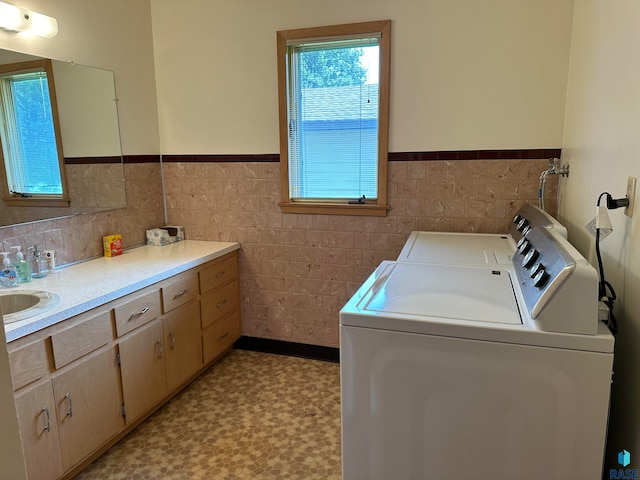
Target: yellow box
pixel 112 245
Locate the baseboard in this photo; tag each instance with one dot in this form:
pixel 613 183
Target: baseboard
pixel 266 345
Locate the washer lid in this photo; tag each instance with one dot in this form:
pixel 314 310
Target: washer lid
pixel 444 291
pixel 457 248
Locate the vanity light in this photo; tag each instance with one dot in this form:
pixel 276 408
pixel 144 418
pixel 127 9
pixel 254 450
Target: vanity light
pixel 17 19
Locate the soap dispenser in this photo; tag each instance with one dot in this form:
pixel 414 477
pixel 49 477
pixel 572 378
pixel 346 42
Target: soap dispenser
pixel 22 266
pixel 39 267
pixel 8 274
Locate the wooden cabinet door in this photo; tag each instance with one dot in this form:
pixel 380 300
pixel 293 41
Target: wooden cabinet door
pixel 39 431
pixel 184 349
pixel 88 405
pixel 142 366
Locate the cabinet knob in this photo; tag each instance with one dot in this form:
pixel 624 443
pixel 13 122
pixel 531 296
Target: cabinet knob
pixel 220 273
pixel 220 304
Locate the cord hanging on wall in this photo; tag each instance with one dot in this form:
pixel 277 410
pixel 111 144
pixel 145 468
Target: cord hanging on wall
pixel 601 225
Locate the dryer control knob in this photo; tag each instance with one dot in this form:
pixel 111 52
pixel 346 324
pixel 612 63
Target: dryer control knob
pixel 530 258
pixel 538 267
pixel 522 224
pixel 540 278
pixel 523 245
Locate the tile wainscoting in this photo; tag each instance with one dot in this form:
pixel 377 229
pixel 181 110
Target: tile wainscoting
pixel 298 270
pixel 80 237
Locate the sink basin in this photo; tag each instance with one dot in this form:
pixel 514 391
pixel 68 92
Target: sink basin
pixel 22 304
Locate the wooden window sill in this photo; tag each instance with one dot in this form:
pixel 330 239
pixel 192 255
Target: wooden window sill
pixel 335 209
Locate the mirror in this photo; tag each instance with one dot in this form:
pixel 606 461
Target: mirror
pixel 87 110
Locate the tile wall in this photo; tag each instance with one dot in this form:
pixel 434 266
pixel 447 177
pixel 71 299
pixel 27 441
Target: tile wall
pixel 297 270
pixel 80 237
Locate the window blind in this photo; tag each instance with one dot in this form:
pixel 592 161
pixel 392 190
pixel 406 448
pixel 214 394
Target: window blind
pixel 333 122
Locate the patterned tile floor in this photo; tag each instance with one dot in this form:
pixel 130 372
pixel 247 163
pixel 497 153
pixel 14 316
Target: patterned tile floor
pixel 251 416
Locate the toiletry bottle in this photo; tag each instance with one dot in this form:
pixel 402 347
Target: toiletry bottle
pixel 38 263
pixel 22 266
pixel 8 274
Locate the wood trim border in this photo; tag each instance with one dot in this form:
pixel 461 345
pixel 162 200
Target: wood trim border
pixel 128 159
pixel 515 154
pixel 92 160
pixel 113 159
pixel 450 155
pixel 237 158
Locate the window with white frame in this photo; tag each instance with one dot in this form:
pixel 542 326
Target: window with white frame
pixel 334 104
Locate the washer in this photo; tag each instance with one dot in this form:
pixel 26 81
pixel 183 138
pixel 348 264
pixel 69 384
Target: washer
pixel 476 367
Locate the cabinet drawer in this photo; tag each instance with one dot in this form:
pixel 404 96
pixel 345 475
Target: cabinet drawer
pixel 218 303
pixel 220 336
pixel 28 364
pixel 136 310
pixel 179 292
pixel 72 343
pixel 219 273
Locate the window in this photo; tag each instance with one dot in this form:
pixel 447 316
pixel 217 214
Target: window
pixel 334 106
pixel 33 162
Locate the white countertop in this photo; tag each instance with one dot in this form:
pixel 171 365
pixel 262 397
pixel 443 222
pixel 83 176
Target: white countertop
pixel 90 284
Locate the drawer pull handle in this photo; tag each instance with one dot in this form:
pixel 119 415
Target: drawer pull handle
pixel 220 304
pixel 135 316
pixel 221 273
pixel 159 349
pixel 179 294
pixel 172 342
pixel 67 398
pixel 47 427
pixel 223 336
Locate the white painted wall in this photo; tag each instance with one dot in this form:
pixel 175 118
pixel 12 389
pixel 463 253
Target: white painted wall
pixel 113 35
pixel 466 74
pixel 602 146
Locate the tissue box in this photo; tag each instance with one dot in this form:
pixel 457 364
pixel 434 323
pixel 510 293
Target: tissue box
pixel 174 231
pixel 165 235
pixel 112 245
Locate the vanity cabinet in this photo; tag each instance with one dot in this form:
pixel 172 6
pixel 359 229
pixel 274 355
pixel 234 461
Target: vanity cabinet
pixel 183 345
pixel 39 430
pixel 220 306
pixel 142 363
pixel 84 383
pixel 87 402
pixel 158 357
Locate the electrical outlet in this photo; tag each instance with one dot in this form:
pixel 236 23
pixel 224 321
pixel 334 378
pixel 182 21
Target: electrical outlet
pixel 50 255
pixel 631 195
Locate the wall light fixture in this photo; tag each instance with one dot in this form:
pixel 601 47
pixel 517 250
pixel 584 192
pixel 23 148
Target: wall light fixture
pixel 17 19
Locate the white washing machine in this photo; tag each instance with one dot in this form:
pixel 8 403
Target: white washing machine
pixel 466 366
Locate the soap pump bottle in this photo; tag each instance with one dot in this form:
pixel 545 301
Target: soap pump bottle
pixel 8 274
pixel 22 266
pixel 39 268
